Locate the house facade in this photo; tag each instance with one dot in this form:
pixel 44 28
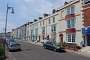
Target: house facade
pixel 69 24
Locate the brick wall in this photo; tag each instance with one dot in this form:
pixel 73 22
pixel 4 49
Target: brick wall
pixel 87 16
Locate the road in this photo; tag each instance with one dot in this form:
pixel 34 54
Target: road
pixel 32 52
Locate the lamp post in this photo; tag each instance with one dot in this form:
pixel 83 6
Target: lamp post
pixel 12 11
pixel 7 17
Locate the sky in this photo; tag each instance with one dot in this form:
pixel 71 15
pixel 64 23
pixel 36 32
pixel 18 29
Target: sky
pixel 25 10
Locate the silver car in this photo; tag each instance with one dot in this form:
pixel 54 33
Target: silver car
pixel 14 46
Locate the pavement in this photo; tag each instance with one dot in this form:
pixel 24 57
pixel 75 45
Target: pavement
pixel 9 55
pixel 36 52
pixel 85 51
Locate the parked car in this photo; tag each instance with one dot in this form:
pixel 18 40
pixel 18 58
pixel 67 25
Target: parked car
pixel 13 45
pixel 7 41
pixel 44 40
pixel 52 46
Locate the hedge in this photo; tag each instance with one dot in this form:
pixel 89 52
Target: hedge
pixel 1 52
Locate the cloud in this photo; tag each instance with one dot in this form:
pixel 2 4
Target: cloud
pixel 37 7
pixel 10 25
pixel 1 23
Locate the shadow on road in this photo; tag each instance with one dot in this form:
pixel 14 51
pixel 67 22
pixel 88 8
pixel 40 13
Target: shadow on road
pixel 19 50
pixel 60 51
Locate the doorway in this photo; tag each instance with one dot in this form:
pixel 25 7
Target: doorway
pixel 61 38
pixel 88 40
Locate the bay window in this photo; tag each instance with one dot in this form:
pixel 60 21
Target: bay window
pixel 71 23
pixel 54 19
pixel 49 21
pixel 53 28
pixel 71 37
pixel 68 24
pixel 43 29
pixel 70 10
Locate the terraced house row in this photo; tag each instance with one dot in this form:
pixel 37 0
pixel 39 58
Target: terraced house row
pixel 69 23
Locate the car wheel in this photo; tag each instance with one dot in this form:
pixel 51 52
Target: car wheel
pixel 10 50
pixel 19 49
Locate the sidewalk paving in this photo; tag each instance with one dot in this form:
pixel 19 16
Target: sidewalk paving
pixel 9 55
pixel 83 52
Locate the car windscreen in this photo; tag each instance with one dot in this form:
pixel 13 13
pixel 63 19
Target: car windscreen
pixel 49 43
pixel 15 45
pixel 12 40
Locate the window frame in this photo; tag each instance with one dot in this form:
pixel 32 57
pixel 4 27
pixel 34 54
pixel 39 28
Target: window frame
pixel 43 22
pixel 40 23
pixel 69 10
pixel 71 23
pixel 72 9
pixel 49 21
pixel 71 37
pixel 53 28
pixel 43 29
pixel 53 19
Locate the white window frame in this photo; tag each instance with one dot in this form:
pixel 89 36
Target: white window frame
pixel 70 10
pixel 53 19
pixel 49 21
pixel 53 28
pixel 71 35
pixel 71 25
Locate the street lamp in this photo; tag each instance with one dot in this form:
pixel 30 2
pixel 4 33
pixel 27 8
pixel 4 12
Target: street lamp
pixel 12 11
pixel 7 16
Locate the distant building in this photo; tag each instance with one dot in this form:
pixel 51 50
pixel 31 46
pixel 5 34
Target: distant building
pixel 2 35
pixel 8 35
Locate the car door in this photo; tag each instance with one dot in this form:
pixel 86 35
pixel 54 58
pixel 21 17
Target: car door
pixel 51 45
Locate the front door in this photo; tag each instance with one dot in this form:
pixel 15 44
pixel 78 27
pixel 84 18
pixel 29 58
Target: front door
pixel 88 40
pixel 61 39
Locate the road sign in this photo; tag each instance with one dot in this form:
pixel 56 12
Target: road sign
pixel 86 30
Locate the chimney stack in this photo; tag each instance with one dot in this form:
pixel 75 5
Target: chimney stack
pixel 45 15
pixel 40 18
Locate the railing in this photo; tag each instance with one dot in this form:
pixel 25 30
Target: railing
pixel 71 46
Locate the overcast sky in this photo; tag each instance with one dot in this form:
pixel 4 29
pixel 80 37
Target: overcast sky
pixel 25 10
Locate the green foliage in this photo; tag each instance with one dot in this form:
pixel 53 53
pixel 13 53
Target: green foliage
pixel 1 50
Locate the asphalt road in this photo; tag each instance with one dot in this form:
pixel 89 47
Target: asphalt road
pixel 32 52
